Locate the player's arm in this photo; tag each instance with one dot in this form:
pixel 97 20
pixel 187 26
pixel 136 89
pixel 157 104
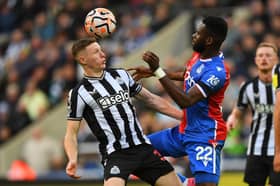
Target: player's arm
pixel 178 95
pixel 233 118
pixel 71 147
pixel 276 119
pixel 141 72
pixel 159 104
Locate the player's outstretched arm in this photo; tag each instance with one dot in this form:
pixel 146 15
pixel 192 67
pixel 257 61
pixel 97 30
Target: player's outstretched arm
pixel 159 104
pixel 178 95
pixel 141 72
pixel 71 148
pixel 276 120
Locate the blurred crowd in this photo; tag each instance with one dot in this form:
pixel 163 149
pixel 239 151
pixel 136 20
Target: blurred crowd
pixel 37 69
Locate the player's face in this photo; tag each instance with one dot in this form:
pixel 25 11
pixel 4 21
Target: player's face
pixel 199 39
pixel 95 57
pixel 265 58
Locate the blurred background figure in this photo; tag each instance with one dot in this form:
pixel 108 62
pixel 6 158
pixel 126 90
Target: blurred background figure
pixel 33 101
pixel 43 153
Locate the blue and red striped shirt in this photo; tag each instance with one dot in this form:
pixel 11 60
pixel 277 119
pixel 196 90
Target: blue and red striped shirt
pixel 203 121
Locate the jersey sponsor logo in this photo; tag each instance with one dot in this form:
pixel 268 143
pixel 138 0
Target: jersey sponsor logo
pixel 204 154
pixel 189 80
pixel 108 101
pixel 115 170
pixel 264 108
pixel 213 80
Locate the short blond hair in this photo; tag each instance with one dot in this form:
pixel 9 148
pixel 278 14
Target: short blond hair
pixel 267 44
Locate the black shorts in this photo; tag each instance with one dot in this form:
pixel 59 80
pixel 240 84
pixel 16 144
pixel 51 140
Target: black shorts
pixel 259 168
pixel 142 161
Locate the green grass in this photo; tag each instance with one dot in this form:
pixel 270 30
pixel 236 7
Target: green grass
pixel 232 179
pixel 227 179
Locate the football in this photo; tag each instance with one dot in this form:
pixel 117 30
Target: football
pixel 100 23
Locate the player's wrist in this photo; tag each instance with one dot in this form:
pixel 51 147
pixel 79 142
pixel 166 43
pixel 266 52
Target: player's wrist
pixel 159 73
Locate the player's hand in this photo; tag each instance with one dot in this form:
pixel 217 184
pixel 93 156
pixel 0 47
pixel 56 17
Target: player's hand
pixel 231 123
pixel 152 59
pixel 71 169
pixel 140 72
pixel 276 162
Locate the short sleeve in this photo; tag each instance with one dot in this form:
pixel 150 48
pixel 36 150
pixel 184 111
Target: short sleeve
pixel 75 105
pixel 134 87
pixel 243 101
pixel 211 81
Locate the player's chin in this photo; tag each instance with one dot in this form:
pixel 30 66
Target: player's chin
pixel 103 65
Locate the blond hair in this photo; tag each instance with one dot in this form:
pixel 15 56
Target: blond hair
pixel 267 44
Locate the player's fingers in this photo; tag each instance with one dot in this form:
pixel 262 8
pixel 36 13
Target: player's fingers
pixel 147 58
pixel 136 78
pixel 154 56
pixel 75 176
pixel 72 172
pixel 72 175
pixel 131 69
pixel 229 127
pixel 151 55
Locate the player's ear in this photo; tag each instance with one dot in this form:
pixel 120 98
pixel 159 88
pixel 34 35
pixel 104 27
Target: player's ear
pixel 82 60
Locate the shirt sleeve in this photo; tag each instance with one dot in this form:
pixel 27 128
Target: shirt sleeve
pixel 134 87
pixel 211 81
pixel 243 101
pixel 75 105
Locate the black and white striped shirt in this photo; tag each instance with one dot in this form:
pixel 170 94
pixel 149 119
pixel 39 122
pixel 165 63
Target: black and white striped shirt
pixel 260 98
pixel 105 103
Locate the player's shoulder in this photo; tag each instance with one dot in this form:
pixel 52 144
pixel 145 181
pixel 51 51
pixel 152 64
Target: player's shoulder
pixel 216 68
pixel 118 72
pixel 276 69
pixel 76 88
pixel 249 82
pixel 112 70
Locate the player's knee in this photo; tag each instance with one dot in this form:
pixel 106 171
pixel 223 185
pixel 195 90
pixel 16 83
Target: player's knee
pixel 114 181
pixel 170 179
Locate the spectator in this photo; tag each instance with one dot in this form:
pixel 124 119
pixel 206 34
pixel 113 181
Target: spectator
pixel 42 153
pixel 33 101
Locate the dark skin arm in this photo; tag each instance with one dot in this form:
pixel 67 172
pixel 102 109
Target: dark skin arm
pixel 178 95
pixel 141 72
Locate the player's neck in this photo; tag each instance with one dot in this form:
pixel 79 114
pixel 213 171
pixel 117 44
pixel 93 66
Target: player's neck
pixel 98 73
pixel 209 54
pixel 265 76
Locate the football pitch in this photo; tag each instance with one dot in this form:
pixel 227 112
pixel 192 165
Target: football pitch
pixel 227 179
